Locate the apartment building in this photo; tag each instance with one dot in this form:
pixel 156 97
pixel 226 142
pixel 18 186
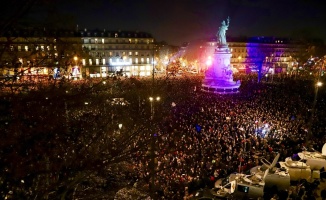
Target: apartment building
pixel 75 54
pixel 275 55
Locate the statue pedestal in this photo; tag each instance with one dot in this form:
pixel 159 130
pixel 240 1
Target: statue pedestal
pixel 219 77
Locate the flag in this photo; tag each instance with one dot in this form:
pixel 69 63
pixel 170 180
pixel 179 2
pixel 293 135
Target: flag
pixel 233 184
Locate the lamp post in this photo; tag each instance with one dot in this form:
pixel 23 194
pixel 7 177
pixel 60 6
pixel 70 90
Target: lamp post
pixel 74 69
pixel 317 84
pixel 152 152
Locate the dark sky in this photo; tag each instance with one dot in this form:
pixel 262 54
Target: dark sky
pixel 178 21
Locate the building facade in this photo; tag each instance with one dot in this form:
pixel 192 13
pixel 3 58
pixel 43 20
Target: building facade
pixel 273 55
pixel 117 52
pixel 76 54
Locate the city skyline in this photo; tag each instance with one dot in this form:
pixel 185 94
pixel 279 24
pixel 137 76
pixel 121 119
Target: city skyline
pixel 177 21
pixel 185 21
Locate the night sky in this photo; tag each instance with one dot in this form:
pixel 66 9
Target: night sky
pixel 178 21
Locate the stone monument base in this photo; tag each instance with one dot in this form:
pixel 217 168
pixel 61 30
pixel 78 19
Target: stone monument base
pixel 220 86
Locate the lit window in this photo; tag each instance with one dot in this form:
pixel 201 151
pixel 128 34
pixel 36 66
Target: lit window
pixel 42 48
pixel 103 41
pixel 116 35
pixel 90 61
pixel 19 48
pixel 142 60
pixel 110 53
pixel 103 61
pixel 130 53
pixel 147 60
pixel 136 60
pixel 136 53
pixel 148 67
pixel 97 61
pixel 26 48
pixel 129 40
pixel 84 61
pixel 136 41
pixel 48 48
pixel 55 48
pixel 142 67
pixel 96 40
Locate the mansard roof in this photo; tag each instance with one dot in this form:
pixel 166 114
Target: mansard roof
pixel 117 34
pixel 37 32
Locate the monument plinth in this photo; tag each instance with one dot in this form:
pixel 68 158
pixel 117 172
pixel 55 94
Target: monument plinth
pixel 219 77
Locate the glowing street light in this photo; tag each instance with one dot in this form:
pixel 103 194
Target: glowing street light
pixel 209 61
pixel 152 182
pixel 309 135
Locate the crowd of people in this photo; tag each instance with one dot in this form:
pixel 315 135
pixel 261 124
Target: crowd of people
pixel 208 136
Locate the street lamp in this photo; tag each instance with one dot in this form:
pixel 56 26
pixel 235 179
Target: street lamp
pixel 152 162
pixel 120 126
pixel 309 134
pixel 75 68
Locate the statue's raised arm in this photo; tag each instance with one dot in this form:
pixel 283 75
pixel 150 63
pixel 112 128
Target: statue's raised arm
pixel 221 38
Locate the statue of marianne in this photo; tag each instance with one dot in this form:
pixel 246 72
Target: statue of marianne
pixel 221 38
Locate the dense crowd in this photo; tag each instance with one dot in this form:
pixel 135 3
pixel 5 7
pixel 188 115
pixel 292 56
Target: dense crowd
pixel 207 136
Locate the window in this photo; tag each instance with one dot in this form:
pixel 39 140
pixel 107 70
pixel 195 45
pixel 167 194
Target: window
pixel 97 61
pixel 103 61
pixel 90 61
pixel 116 35
pixel 26 48
pixel 110 53
pixel 130 40
pixel 130 53
pixel 142 60
pixel 42 48
pixel 55 48
pixel 136 53
pixel 136 60
pixel 96 41
pixel 84 61
pixel 103 41
pixel 147 60
pixel 19 48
